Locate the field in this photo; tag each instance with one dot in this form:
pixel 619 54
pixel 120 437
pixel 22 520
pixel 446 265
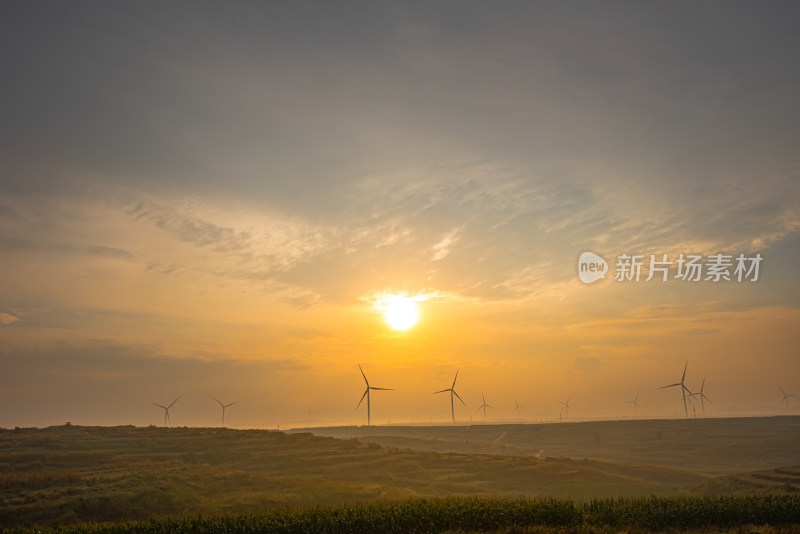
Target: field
pixel 704 446
pixel 506 516
pixel 69 474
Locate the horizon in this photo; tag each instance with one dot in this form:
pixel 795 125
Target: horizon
pixel 412 424
pixel 247 202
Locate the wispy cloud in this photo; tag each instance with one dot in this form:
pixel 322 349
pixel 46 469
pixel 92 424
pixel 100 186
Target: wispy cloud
pixel 109 252
pixel 7 318
pixel 442 248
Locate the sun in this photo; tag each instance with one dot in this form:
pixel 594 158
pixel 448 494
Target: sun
pixel 401 312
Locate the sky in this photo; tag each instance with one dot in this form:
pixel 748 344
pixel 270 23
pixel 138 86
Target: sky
pixel 204 199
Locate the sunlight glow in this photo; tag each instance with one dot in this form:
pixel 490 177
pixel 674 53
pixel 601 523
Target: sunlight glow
pixel 401 312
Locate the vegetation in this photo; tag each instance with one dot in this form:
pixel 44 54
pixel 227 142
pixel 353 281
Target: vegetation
pixel 484 515
pixel 712 446
pixel 71 475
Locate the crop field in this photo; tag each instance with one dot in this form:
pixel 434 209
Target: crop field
pixel 770 513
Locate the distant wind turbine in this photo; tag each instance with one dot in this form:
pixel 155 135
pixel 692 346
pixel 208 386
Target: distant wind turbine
pixel 684 390
pixel 635 403
pixel 786 397
pixel 366 393
pixel 703 397
pixel 566 405
pixel 517 407
pixel 223 409
pixel 484 406
pixel 166 410
pixel 452 391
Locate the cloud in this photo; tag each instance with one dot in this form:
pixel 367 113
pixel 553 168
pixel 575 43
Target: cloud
pixel 442 248
pixel 587 365
pixel 6 318
pixel 103 359
pixel 701 331
pixel 109 252
pixel 253 240
pixel 190 229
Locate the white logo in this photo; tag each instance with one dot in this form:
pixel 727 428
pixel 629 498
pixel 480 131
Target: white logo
pixel 591 267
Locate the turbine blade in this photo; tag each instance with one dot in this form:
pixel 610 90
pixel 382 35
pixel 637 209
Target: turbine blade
pixel 218 402
pixel 160 406
pixel 362 374
pixel 382 389
pixel 784 393
pixel 670 386
pixel 362 398
pixel 684 372
pixel 435 392
pixel 459 398
pixel 454 380
pixel 231 404
pixel 173 402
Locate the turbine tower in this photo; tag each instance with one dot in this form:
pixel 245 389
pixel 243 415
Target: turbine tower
pixel 223 409
pixel 786 397
pixel 684 390
pixel 452 391
pixel 366 394
pixel 635 403
pixel 703 397
pixel 566 405
pixel 166 410
pixel 484 406
pixel 517 407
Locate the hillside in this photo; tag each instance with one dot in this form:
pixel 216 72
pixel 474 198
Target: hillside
pixel 67 474
pixel 708 446
pixel 771 481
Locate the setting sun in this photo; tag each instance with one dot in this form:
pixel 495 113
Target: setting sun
pixel 401 312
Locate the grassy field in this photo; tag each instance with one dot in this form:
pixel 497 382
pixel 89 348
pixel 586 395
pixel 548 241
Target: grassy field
pixel 711 446
pixel 70 474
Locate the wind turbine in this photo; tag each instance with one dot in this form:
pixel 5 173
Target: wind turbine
pixel 484 406
pixel 166 410
pixel 566 405
pixel 366 393
pixel 635 403
pixel 517 406
pixel 703 397
pixel 223 409
pixel 452 391
pixel 684 390
pixel 786 397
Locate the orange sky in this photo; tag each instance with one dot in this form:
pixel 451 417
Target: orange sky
pixel 210 206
